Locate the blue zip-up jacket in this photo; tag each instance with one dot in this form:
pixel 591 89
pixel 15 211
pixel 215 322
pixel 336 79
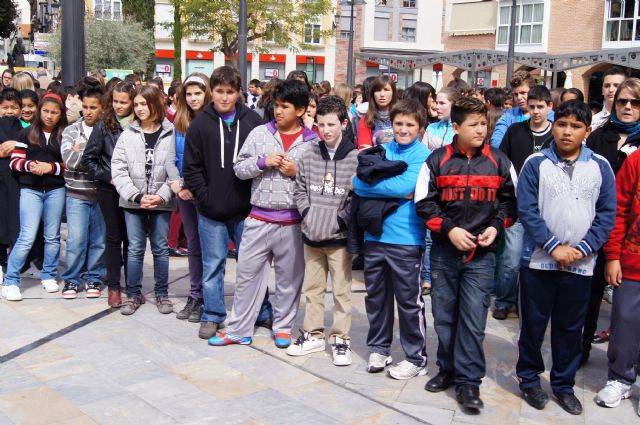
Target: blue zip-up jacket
pixel 403 226
pixel 438 134
pixel 557 209
pixel 180 139
pixel 510 116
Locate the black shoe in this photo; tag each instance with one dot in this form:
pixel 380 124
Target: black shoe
pixel 232 254
pixel 570 403
pixel 500 313
pixel 178 252
pixel 196 312
pixel 438 383
pixel 468 396
pixel 207 330
pixel 265 323
pixel 535 397
pixel 186 311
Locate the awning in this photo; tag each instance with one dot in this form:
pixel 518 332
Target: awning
pixel 473 18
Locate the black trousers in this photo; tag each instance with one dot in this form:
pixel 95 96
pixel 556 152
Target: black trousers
pixel 117 242
pixel 593 310
pixel 624 344
pixel 393 272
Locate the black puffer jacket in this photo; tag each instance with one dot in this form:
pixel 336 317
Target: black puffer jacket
pixel 604 141
pixel 96 160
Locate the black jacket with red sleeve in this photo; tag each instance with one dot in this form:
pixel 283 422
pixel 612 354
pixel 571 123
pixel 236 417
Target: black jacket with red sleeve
pixel 473 193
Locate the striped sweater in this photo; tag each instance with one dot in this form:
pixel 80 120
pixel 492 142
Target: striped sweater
pixel 78 183
pixel 46 151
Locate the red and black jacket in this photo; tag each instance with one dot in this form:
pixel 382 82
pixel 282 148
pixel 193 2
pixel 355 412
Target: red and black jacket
pixel 455 190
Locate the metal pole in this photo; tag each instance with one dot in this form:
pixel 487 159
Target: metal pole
pixel 72 42
pixel 350 59
pixel 512 41
pixel 242 43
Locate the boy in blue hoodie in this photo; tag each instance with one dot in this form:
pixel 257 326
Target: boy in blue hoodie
pixel 393 259
pixel 567 205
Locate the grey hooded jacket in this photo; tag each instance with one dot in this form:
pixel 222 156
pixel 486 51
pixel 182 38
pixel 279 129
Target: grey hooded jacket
pixel 128 167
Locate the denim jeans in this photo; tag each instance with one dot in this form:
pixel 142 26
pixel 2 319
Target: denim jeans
pixel 85 242
pixel 34 206
pixel 460 297
pixel 507 282
pixel 138 223
pixel 214 243
pixel 425 274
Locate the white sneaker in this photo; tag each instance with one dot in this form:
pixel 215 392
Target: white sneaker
pixel 613 393
pixel 50 285
pixel 406 370
pixel 11 292
pixel 377 362
pixel 306 344
pixel 341 352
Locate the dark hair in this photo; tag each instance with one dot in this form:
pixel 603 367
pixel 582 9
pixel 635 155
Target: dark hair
pixel 574 107
pixel 332 104
pixel 132 78
pixel 595 106
pixel 420 92
pixel 521 77
pixel 299 75
pixel 157 81
pixel 94 92
pixel 466 106
pixel 90 87
pixel 294 92
pixel 461 86
pixel 10 95
pixel 111 84
pixel 173 88
pixel 29 94
pixel 155 102
pixel 378 84
pixel 9 70
pixel 412 108
pixel 540 93
pixel 37 126
pixel 255 82
pixel 226 75
pixel 109 115
pixel 576 92
pixel 614 70
pixel 495 96
pixel 366 88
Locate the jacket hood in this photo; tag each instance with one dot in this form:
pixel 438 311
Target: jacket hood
pixel 550 152
pixel 343 149
pixel 307 133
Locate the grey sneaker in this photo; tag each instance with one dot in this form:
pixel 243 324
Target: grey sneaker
pixel 608 294
pixel 164 304
pixel 130 306
pixel 613 393
pixel 207 330
pixel 377 362
pixel 188 308
pixel 406 370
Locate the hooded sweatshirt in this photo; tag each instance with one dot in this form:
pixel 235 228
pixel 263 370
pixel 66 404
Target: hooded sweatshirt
pixel 210 152
pixel 323 193
pixel 79 184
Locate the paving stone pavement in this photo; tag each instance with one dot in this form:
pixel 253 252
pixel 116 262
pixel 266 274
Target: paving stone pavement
pixel 77 362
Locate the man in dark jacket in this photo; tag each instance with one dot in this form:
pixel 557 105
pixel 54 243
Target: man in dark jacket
pixel 212 144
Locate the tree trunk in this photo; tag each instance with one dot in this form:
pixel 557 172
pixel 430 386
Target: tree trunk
pixel 177 41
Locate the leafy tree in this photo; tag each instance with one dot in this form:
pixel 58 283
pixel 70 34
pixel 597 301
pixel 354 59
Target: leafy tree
pixel 7 18
pixel 143 11
pixel 111 45
pixel 280 21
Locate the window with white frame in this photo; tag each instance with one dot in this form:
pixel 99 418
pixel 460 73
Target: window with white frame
pixel 622 18
pixel 108 9
pixel 409 3
pixel 409 35
pixel 312 33
pixel 529 23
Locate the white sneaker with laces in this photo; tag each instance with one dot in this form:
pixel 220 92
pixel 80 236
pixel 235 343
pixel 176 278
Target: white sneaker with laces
pixel 341 352
pixel 306 344
pixel 613 393
pixel 406 370
pixel 50 285
pixel 377 362
pixel 11 292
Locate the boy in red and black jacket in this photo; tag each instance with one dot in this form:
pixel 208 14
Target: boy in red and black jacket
pixel 465 194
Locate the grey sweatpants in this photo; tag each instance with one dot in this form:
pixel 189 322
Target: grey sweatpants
pixel 624 343
pixel 261 243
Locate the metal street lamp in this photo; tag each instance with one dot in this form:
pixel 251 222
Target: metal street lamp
pixel 351 4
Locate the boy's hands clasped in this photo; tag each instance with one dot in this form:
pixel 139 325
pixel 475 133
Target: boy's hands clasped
pixel 286 165
pixel 465 241
pixel 565 255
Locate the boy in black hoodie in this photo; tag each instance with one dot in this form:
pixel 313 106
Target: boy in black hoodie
pixel 212 144
pixel 521 140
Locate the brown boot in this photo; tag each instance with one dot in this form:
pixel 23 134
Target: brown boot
pixel 114 299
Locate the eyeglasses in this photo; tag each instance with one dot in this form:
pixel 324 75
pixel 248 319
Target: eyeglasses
pixel 635 103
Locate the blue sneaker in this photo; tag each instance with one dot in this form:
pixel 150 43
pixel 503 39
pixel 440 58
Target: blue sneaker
pixel 228 339
pixel 282 340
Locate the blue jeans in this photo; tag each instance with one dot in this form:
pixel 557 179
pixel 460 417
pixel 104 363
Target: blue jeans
pixel 507 283
pixel 85 242
pixel 214 243
pixel 138 223
pixel 425 274
pixel 36 205
pixel 460 297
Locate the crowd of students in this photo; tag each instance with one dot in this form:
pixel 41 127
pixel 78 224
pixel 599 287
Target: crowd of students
pixel 420 187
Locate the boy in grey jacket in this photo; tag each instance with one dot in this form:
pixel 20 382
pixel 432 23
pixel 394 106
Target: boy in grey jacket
pixel 323 196
pixel 270 157
pixel 85 225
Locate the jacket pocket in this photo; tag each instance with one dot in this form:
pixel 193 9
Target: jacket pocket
pixel 321 224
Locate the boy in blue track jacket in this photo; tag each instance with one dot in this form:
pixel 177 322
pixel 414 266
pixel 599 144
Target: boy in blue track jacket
pixel 567 205
pixel 392 259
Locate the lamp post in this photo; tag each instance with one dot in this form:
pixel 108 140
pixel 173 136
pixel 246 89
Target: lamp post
pixel 242 43
pixel 72 42
pixel 512 41
pixel 351 4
